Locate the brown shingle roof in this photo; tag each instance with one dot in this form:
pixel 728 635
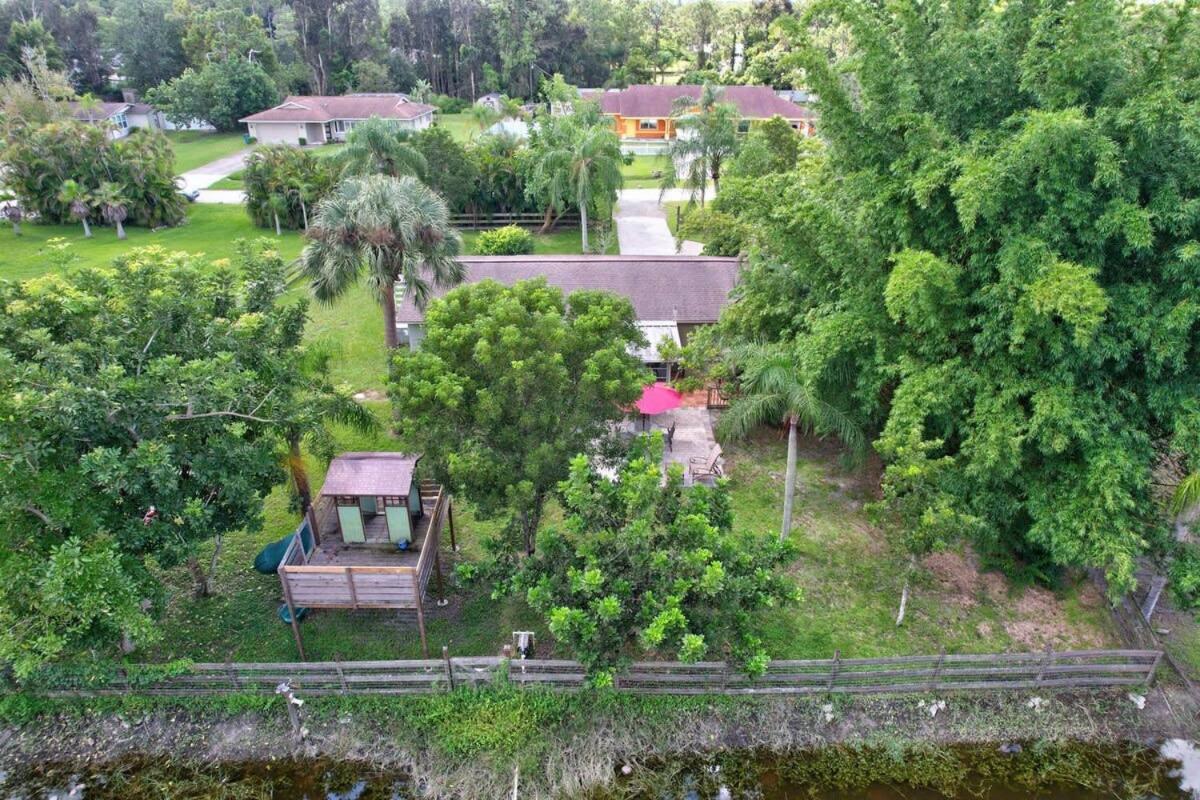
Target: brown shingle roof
pixel 661 288
pixel 315 108
pixel 754 102
pixel 100 112
pixel 370 475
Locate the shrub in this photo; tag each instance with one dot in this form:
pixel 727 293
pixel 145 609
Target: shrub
pixel 449 105
pixel 284 180
pixel 507 241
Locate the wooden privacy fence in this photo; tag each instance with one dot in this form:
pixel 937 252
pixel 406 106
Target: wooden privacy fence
pixel 1047 670
pixel 499 220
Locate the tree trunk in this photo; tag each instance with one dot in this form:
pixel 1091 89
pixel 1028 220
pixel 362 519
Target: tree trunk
pixel 789 487
pixel 529 521
pixel 583 225
pixel 912 564
pixel 547 221
pixel 87 229
pixel 299 474
pixel 202 583
pixel 389 314
pixel 278 231
pixel 120 230
pixel 304 213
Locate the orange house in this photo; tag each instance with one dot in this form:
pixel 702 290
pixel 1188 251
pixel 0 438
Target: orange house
pixel 644 112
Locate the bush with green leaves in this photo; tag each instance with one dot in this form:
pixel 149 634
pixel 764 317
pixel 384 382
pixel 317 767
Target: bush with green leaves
pixel 639 566
pixel 39 159
pixel 220 93
pixel 511 240
pixel 283 185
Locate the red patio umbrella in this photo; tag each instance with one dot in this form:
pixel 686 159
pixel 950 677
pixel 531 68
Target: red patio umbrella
pixel 657 398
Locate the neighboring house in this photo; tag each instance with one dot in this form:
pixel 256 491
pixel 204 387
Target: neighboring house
pixel 307 119
pixel 671 295
pixel 644 112
pixel 513 128
pixel 492 100
pixel 115 114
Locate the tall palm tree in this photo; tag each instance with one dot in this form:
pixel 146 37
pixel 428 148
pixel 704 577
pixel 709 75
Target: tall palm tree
pixel 376 147
pixel 422 90
pixel 583 167
pixel 484 116
pixel 774 389
pixel 393 229
pixel 705 139
pixel 113 205
pixel 79 202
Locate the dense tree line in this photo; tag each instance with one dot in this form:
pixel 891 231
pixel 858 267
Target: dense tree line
pixel 991 265
pixel 460 48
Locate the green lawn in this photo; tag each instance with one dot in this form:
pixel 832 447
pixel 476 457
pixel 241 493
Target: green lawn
pixel 210 229
pixel 231 181
pixel 196 148
pixel 640 174
pixel 461 126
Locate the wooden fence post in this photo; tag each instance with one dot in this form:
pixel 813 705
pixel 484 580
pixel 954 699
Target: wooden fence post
pixel 833 670
pixel 233 678
pixel 1154 669
pixel 1044 663
pixel 449 667
pixel 450 520
pixel 337 664
pixel 937 671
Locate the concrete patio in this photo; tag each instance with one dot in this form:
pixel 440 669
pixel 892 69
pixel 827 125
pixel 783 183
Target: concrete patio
pixel 693 437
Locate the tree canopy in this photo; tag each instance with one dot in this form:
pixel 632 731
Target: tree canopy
pixel 143 412
pixel 639 564
pixel 510 383
pixel 995 258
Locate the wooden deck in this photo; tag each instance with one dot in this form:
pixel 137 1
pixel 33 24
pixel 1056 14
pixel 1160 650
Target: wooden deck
pixel 378 551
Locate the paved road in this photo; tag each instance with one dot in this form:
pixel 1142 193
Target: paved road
pixel 207 175
pixel 642 223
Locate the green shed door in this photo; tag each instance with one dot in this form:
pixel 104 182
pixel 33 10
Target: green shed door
pixel 351 522
pixel 399 524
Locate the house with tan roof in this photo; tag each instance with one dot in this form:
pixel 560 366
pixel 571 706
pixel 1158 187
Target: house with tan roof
pixel 672 296
pixel 311 119
pixel 643 113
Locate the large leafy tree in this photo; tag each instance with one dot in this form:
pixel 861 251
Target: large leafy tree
pixel 219 93
pixel 147 36
pixel 511 382
pixel 640 564
pixel 996 258
pixel 142 416
pixel 389 229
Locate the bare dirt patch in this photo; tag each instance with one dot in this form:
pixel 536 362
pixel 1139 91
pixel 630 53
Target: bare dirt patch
pixel 957 577
pixel 1041 622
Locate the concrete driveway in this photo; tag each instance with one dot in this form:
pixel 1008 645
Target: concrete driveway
pixel 642 223
pixel 231 197
pixel 210 173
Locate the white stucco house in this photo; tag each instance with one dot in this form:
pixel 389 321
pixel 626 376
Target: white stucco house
pixel 310 119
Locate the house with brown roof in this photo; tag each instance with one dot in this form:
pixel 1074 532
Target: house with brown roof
pixel 115 116
pixel 671 295
pixel 311 119
pixel 643 113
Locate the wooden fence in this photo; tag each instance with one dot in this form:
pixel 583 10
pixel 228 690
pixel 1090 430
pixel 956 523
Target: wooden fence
pixel 1046 671
pixel 534 219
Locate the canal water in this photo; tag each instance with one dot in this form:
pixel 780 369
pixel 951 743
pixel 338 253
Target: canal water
pixel 1010 772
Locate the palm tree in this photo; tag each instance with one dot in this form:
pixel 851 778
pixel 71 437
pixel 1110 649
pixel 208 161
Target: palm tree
pixel 77 198
pixel 397 229
pixel 111 199
pixel 705 139
pixel 483 115
pixel 583 166
pixel 774 389
pixel 376 147
pixel 422 90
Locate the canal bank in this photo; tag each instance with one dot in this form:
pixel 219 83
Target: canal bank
pixel 469 744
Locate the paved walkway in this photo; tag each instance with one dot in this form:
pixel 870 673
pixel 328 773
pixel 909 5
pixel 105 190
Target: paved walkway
pixel 642 223
pixel 210 173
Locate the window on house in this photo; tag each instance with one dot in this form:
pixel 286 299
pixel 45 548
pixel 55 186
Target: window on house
pixel 661 370
pixel 648 125
pixel 120 121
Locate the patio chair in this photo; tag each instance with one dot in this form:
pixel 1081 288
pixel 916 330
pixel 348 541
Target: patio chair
pixel 706 467
pixel 669 438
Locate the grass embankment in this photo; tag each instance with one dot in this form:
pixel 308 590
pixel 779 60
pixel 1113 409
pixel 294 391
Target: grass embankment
pixel 468 744
pixel 196 148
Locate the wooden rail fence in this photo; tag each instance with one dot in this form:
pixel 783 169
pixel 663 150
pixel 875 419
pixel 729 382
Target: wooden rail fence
pixel 524 219
pixel 1047 670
